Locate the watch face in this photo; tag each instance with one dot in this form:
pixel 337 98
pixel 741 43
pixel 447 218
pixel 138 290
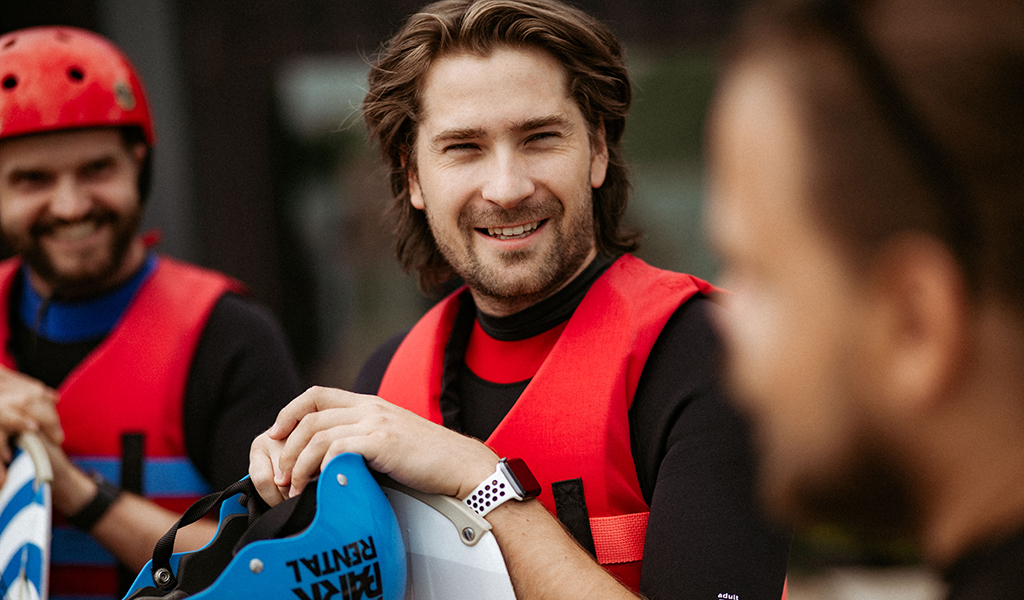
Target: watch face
pixel 521 476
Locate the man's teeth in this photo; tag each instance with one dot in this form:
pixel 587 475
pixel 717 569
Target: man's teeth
pixel 75 232
pixel 509 232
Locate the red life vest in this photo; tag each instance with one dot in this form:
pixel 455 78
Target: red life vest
pixel 572 421
pixel 134 381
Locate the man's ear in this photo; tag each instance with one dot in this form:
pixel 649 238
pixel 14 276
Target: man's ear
pixel 139 152
pixel 598 157
pixel 413 181
pixel 920 322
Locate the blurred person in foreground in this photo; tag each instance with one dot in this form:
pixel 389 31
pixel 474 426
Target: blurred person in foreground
pixel 867 169
pixel 501 121
pixel 102 337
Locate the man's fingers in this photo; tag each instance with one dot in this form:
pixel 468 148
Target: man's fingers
pixel 16 422
pixel 324 446
pixel 6 456
pixel 261 471
pixel 312 400
pixel 308 457
pixel 47 422
pixel 26 405
pixel 324 422
pixel 292 446
pixel 313 424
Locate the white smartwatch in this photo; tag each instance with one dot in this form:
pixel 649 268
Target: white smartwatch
pixel 512 480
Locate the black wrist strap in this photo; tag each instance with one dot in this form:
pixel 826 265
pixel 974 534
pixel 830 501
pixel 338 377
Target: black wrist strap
pixel 90 514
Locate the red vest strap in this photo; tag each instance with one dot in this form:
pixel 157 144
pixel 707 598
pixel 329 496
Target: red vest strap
pixel 619 539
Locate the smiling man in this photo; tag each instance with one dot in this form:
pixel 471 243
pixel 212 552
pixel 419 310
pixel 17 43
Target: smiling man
pixel 129 363
pixel 502 123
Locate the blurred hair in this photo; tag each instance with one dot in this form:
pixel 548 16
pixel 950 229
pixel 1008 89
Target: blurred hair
pixel 597 80
pixel 913 109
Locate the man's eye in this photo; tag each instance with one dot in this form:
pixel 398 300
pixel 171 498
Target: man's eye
pixel 460 147
pixel 544 135
pixel 97 167
pixel 30 178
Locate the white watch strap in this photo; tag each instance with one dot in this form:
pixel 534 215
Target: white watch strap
pixel 491 493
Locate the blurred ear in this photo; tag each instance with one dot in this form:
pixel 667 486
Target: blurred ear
pixel 919 336
pixel 598 157
pixel 138 152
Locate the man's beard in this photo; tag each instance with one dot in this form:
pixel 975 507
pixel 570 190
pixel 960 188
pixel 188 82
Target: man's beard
pixel 86 281
pixel 573 241
pixel 872 493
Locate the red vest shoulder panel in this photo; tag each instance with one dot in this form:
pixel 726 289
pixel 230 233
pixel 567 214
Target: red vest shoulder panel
pixel 572 420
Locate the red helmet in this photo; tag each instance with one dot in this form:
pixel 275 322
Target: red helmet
pixel 54 78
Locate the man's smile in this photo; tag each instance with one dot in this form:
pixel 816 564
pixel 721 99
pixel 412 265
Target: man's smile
pixel 73 232
pixel 514 232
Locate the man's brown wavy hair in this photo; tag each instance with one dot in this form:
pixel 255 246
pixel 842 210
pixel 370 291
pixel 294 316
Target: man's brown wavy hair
pixel 597 80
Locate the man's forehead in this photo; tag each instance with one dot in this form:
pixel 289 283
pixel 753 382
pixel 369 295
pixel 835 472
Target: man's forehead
pixel 499 50
pixel 38 149
pixel 529 75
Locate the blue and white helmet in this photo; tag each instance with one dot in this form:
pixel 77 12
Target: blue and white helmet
pixel 352 548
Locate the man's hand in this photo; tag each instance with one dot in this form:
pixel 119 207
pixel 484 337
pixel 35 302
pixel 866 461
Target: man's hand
pixel 325 422
pixel 543 560
pixel 264 457
pixel 25 405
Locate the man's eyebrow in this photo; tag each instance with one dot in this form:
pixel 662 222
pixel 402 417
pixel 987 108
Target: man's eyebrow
pixel 102 159
pixel 455 134
pixel 558 120
pixel 19 172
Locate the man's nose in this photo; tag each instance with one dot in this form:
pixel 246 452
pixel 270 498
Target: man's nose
pixel 509 181
pixel 70 200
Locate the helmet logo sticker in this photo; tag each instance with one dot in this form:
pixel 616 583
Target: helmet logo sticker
pixel 124 96
pixel 338 572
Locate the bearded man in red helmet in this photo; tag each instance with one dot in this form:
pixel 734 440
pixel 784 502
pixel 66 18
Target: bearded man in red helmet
pixel 128 363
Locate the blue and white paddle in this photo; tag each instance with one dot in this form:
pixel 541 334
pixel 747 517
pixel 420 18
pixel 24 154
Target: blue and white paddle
pixel 25 523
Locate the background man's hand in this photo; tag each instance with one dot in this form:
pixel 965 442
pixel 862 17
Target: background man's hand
pixel 25 405
pixel 325 422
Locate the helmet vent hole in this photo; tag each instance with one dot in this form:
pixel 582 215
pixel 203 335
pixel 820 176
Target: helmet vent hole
pixel 75 74
pixel 10 43
pixel 10 82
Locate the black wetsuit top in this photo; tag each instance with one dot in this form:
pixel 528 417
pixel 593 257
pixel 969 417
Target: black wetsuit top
pixel 242 374
pixel 706 538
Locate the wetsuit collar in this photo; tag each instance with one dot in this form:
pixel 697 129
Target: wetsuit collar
pixel 549 312
pixel 79 320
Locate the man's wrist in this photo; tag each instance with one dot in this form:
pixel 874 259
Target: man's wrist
pixel 86 516
pixel 511 480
